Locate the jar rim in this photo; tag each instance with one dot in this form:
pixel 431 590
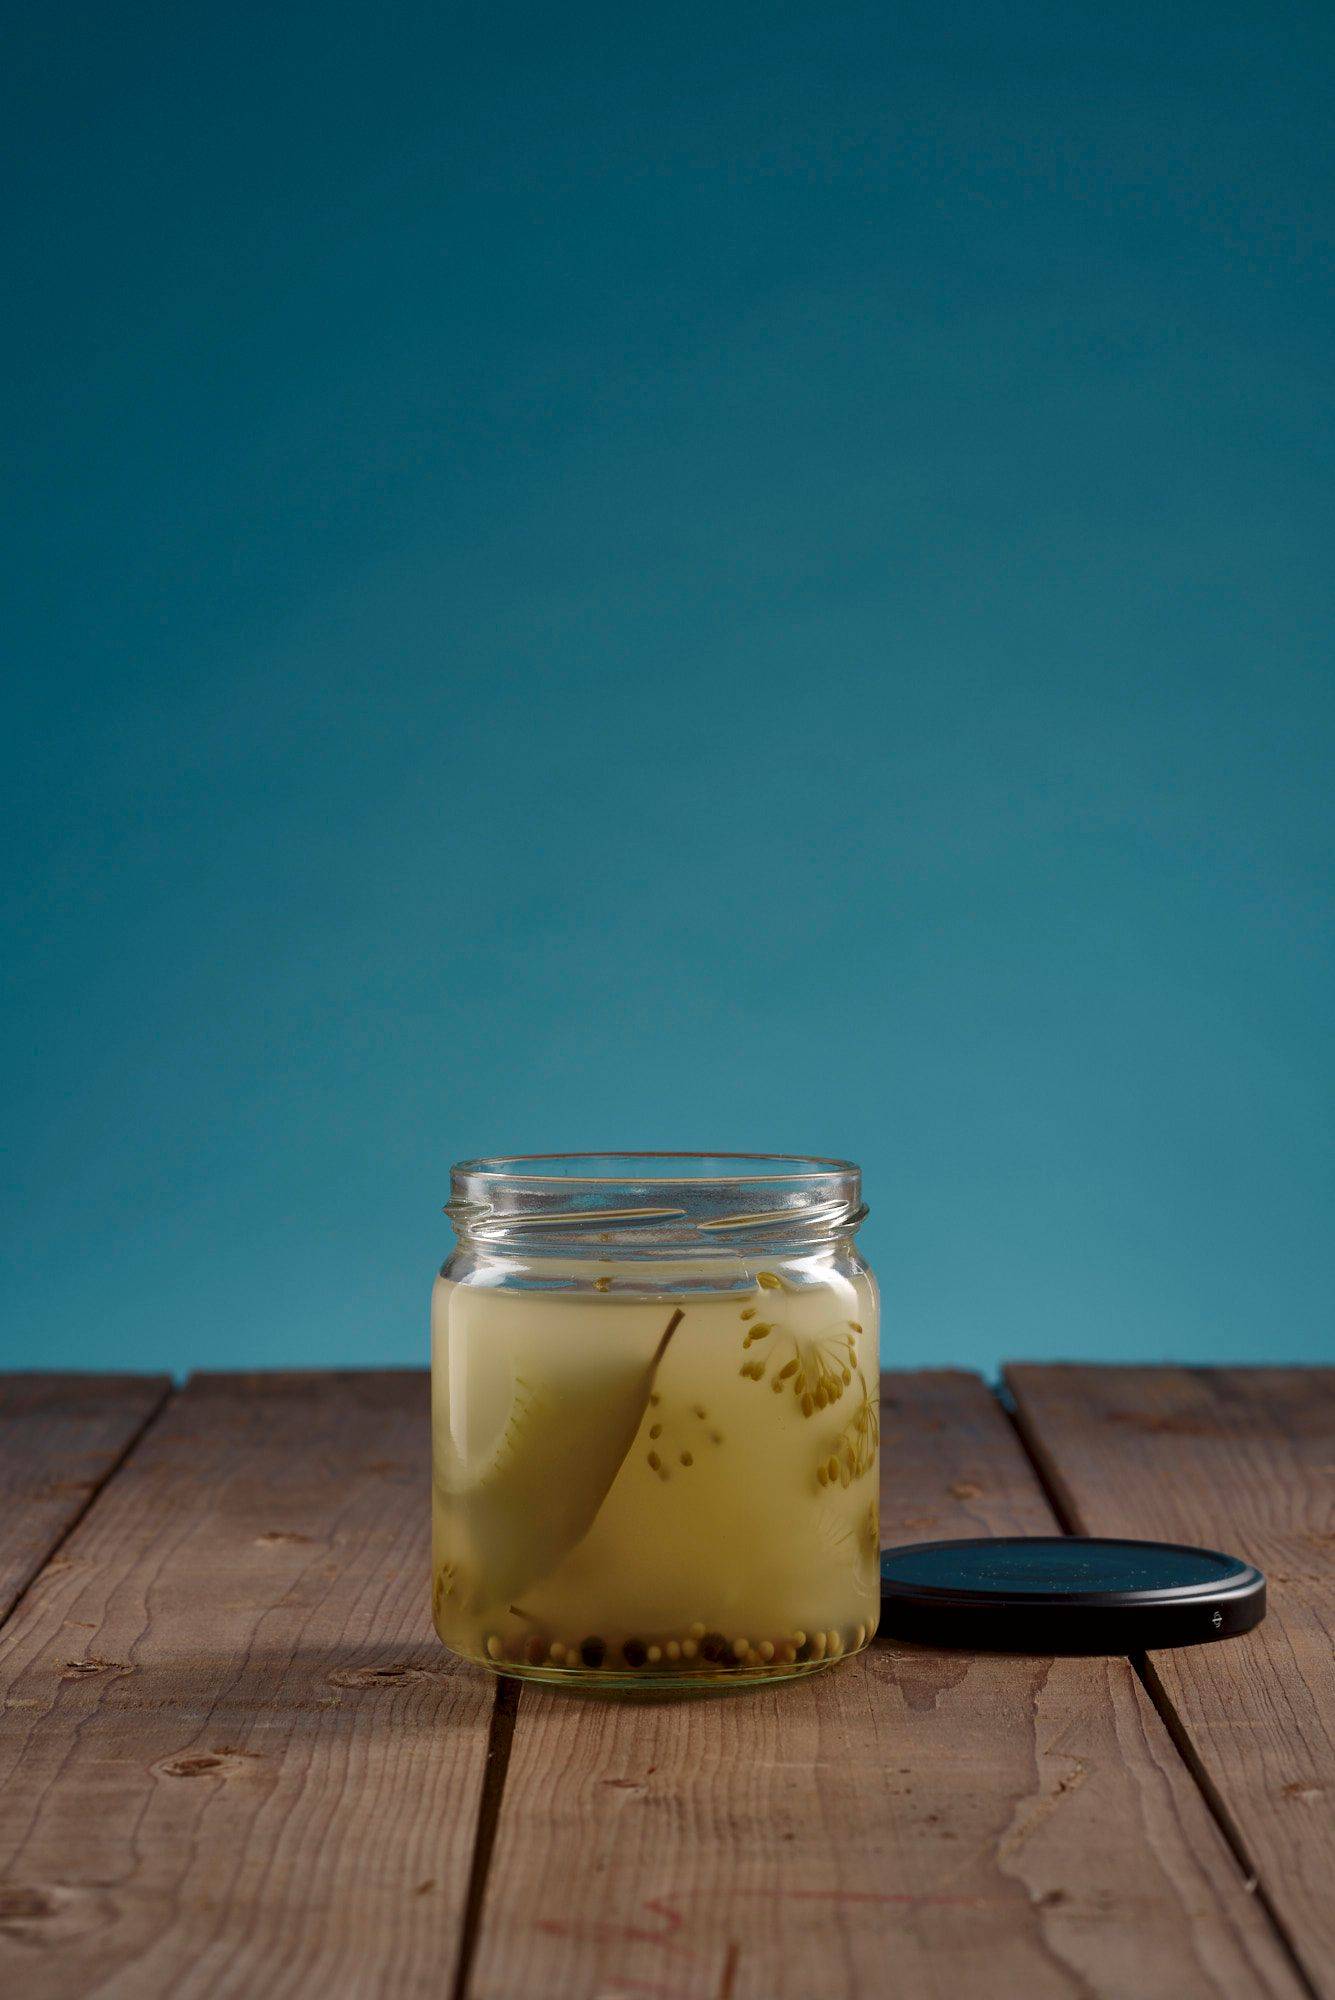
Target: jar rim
pixel 646 1167
pixel 646 1202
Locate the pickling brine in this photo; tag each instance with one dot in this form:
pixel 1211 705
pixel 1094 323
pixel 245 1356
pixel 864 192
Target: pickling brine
pixel 657 1470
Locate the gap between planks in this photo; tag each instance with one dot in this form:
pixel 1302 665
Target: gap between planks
pixel 1063 1504
pixel 95 1487
pixel 500 1736
pixel 256 1569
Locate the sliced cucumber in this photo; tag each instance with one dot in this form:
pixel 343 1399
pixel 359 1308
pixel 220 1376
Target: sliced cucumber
pixel 528 1437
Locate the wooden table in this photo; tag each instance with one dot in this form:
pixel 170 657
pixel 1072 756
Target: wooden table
pixel 235 1761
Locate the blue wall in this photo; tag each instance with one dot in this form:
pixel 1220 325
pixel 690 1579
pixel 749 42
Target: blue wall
pixel 718 576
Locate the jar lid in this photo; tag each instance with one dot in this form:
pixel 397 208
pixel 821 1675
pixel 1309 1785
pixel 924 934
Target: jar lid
pixel 1066 1594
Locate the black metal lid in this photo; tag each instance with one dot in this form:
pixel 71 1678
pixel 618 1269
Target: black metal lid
pixel 1066 1594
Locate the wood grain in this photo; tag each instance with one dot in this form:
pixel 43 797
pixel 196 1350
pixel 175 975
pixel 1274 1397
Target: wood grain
pixel 235 1760
pixel 910 1823
pixel 1242 1459
pixel 60 1437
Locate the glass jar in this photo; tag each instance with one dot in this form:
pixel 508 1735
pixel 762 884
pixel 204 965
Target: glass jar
pixel 655 1419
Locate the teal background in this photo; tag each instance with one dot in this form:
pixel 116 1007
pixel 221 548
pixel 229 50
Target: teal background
pixel 720 576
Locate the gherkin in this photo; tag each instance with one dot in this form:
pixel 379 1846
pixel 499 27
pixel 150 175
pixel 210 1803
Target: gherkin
pixel 526 1453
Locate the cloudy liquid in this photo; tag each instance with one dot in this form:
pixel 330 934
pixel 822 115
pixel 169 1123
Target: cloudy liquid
pixel 636 1487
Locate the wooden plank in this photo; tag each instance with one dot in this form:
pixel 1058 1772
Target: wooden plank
pixel 1243 1459
pixel 235 1761
pixel 912 1822
pixel 60 1438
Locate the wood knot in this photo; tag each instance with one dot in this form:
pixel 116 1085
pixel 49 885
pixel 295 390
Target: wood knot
pixel 82 1670
pixel 1168 1423
pixel 21 1904
pixel 56 1489
pixel 52 1914
pixel 204 1764
pixel 393 1674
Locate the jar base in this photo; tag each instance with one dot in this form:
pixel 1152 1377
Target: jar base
pixel 734 1680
